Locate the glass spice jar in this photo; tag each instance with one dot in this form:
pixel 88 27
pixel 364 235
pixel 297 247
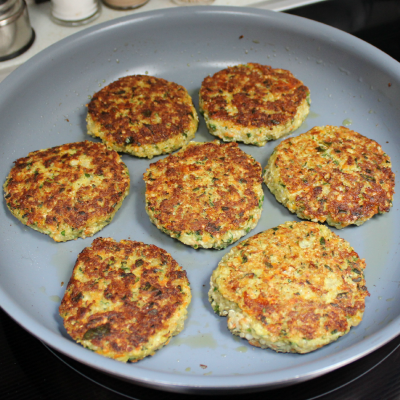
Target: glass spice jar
pixel 124 4
pixel 74 12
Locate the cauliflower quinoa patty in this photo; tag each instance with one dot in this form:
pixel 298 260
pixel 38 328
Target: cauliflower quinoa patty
pixel 331 174
pixel 253 103
pixel 142 115
pixel 206 195
pixel 125 300
pixel 293 288
pixel 68 191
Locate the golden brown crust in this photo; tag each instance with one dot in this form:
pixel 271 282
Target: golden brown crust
pixel 141 110
pixel 67 191
pixel 298 286
pixel 252 96
pixel 121 295
pixel 207 190
pixel 332 174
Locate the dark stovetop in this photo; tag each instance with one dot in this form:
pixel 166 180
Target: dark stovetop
pixel 375 21
pixel 29 370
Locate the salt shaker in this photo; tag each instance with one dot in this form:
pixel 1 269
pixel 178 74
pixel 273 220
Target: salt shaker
pixel 74 12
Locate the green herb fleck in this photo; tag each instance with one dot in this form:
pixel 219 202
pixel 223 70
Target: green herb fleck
pixel 98 332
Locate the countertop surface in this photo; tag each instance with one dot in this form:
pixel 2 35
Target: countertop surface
pixel 29 370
